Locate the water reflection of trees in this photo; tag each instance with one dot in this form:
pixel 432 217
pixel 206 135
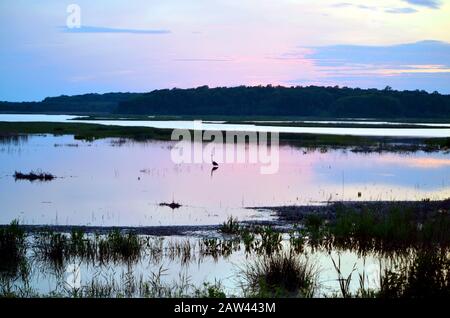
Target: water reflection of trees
pixel 13 139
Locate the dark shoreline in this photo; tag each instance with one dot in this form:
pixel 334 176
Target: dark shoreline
pixel 421 209
pixel 92 131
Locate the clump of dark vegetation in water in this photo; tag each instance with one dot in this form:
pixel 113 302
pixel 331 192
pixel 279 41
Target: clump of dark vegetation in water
pixel 281 274
pixel 218 248
pixel 56 248
pixel 173 205
pixel 34 176
pixel 120 246
pixel 12 250
pixel 231 226
pixel 426 276
pixel 398 228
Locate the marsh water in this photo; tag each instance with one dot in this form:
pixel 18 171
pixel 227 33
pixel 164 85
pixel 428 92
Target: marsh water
pixel 428 132
pixel 115 182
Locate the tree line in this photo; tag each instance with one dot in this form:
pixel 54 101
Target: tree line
pixel 309 101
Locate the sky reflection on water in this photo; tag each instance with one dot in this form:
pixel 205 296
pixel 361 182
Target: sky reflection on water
pixel 104 183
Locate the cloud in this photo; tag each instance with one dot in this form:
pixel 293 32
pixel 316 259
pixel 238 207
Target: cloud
pixel 400 10
pixel 350 5
pixel 422 65
pixel 203 60
pixel 96 29
pixel 433 4
pixel 419 53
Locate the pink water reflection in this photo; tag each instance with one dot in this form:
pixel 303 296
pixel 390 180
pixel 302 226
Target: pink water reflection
pixel 106 184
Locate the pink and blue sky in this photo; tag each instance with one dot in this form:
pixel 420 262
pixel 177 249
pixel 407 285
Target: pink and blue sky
pixel 142 45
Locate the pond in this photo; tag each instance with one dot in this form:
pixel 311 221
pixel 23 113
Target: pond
pixel 116 182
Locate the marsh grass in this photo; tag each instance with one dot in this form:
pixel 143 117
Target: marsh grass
pixel 182 250
pixel 270 240
pixel 120 246
pixel 344 281
pixel 218 248
pixel 274 266
pixel 231 226
pixel 210 290
pixel 281 274
pixel 13 250
pixel 427 275
pixel 57 248
pixel 391 231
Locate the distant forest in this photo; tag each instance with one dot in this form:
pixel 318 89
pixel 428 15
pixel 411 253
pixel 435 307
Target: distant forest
pixel 311 101
pixel 78 104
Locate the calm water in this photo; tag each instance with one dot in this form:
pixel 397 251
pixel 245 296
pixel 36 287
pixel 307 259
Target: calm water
pixel 217 126
pixel 112 182
pixel 108 182
pixel 200 269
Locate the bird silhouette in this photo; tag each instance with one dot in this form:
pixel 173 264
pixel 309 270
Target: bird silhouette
pixel 212 171
pixel 215 164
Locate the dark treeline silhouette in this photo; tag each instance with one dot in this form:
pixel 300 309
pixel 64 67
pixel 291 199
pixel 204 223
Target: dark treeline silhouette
pixel 311 101
pixel 290 101
pixel 88 103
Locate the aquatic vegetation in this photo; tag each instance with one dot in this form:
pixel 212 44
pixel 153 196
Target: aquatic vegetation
pixel 218 248
pixel 344 282
pixel 33 176
pixel 12 250
pixel 57 248
pixel 173 205
pixel 183 250
pixel 426 275
pixel 52 247
pixel 297 239
pixel 248 239
pixel 315 227
pixel 275 262
pixel 270 239
pixel 210 290
pixel 122 246
pixel 280 275
pixel 231 226
pixel 397 228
